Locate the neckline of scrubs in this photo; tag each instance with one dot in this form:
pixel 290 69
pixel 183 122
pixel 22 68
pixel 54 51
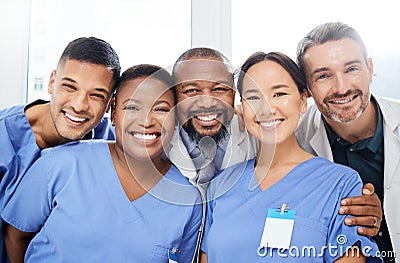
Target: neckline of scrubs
pixel 25 145
pixel 274 193
pixel 131 210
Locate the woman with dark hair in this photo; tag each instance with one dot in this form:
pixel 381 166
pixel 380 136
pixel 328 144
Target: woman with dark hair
pixel 116 201
pixel 284 204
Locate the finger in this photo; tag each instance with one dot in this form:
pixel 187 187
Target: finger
pixel 362 221
pixel 368 189
pixel 370 232
pixel 361 210
pixel 372 200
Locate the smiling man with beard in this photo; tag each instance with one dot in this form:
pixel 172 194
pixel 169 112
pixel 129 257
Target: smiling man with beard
pixel 350 126
pixel 208 129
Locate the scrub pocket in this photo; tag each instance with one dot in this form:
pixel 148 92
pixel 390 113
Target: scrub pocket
pixel 309 239
pixel 160 254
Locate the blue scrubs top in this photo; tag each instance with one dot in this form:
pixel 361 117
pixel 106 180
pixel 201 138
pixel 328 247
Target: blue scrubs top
pixel 235 219
pixel 72 195
pixel 104 130
pixel 19 151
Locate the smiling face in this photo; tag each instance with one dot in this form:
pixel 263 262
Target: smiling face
pixel 80 93
pixel 143 117
pixel 338 77
pixel 271 103
pixel 205 97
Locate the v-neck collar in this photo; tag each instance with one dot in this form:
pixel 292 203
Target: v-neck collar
pixel 275 193
pixel 130 210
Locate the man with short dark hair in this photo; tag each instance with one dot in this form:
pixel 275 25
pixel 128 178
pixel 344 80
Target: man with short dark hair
pixel 208 131
pixel 80 88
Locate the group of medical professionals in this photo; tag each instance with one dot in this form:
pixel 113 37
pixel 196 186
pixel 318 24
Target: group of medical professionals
pixel 176 172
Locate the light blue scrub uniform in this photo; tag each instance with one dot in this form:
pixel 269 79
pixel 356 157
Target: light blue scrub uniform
pixel 313 189
pixel 104 130
pixel 18 150
pixel 72 195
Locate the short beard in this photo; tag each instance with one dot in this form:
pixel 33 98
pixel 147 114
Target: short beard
pixel 328 113
pixel 336 118
pixel 195 136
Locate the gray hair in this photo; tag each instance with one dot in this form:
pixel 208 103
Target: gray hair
pixel 328 32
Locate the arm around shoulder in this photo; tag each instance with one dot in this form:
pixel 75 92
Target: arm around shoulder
pixel 203 258
pixel 352 255
pixel 16 242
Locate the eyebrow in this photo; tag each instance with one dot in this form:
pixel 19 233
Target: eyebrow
pixel 355 61
pixel 189 83
pixel 129 100
pixel 318 70
pixel 163 101
pixel 69 79
pixel 254 90
pixel 278 86
pixel 223 82
pixel 139 102
pixel 97 89
pixel 194 82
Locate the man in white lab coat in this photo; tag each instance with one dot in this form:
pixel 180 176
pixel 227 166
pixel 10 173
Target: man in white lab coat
pixel 208 124
pixel 350 126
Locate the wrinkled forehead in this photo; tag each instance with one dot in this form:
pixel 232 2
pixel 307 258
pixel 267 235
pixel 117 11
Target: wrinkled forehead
pixel 203 69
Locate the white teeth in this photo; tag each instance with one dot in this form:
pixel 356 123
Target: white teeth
pixel 269 124
pixel 207 117
pixel 342 101
pixel 74 118
pixel 145 136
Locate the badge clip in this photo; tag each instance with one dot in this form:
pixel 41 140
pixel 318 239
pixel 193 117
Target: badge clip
pixel 278 228
pixel 172 255
pixel 284 208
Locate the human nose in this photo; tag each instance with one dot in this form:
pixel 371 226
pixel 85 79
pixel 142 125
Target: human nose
pixel 267 108
pixel 146 119
pixel 340 84
pixel 207 101
pixel 79 102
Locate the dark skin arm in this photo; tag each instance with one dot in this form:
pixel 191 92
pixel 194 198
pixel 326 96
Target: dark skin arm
pixel 16 242
pixel 353 256
pixel 364 208
pixel 203 257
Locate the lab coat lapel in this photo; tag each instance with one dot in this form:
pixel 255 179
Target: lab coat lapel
pixel 392 160
pixel 391 137
pixel 180 157
pixel 241 147
pixel 391 133
pixel 234 153
pixel 319 141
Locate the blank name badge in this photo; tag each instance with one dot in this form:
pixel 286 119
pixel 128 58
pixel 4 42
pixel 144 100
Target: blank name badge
pixel 278 229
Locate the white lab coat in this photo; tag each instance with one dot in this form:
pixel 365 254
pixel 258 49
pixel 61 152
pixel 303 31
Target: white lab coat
pixel 241 147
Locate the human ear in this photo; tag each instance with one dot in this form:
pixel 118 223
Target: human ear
pixel 52 82
pixel 111 106
pixel 303 106
pixel 370 66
